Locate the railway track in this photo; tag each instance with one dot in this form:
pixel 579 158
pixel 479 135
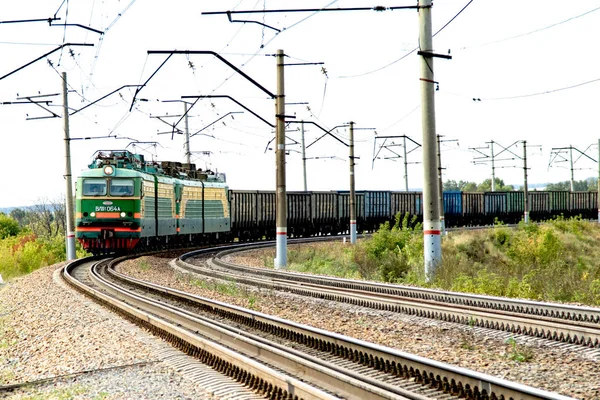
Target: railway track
pixel 281 359
pixel 563 323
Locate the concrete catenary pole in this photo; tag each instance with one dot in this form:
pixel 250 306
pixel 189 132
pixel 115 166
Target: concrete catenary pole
pixel 440 185
pixel 598 182
pixel 405 166
pixel 493 167
pixel 281 207
pixel 572 173
pixel 187 135
pixel 525 191
pixel 70 238
pixel 352 201
pixel 431 212
pixel 303 157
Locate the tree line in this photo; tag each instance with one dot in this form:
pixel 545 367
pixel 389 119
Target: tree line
pixel 586 185
pixel 46 219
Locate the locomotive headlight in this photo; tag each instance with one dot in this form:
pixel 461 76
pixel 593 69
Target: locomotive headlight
pixel 92 214
pixel 109 170
pixel 123 214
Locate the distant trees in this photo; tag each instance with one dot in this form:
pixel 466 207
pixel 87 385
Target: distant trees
pixel 586 185
pixel 47 217
pixel 20 216
pixel 485 186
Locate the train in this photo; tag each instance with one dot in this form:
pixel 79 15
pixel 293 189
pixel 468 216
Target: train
pixel 125 203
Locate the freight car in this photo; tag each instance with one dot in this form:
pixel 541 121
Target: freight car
pixel 320 213
pixel 124 202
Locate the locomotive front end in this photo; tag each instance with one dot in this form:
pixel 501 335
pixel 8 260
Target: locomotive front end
pixel 108 209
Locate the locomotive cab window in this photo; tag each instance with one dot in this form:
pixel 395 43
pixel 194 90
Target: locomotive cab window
pixel 94 187
pixel 121 187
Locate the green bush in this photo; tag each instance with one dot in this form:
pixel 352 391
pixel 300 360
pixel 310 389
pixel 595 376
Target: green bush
pixel 388 255
pixel 25 253
pixel 8 226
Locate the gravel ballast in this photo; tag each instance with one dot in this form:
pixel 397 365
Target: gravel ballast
pixel 566 369
pixel 49 330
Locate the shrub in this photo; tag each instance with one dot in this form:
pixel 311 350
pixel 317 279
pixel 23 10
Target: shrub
pixel 25 253
pixel 388 255
pixel 8 226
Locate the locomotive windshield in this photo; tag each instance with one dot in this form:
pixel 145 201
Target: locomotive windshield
pixel 121 187
pixel 94 187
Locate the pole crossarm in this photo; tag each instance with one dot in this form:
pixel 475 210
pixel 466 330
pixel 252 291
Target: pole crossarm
pixel 294 10
pixel 18 21
pixel 250 22
pixel 383 146
pixel 81 26
pixel 215 121
pixel 208 52
pixel 160 118
pixel 327 132
pixel 45 55
pixel 223 96
pixel 558 150
pixel 507 149
pixel 103 97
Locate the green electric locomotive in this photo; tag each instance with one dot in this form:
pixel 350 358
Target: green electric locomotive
pixel 124 202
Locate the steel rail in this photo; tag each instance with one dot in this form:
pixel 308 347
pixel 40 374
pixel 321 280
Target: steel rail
pixel 552 310
pixel 566 323
pixel 259 377
pixel 558 330
pixel 183 324
pixel 453 379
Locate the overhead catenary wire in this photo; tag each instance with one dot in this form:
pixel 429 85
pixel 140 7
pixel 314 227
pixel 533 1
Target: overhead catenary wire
pixel 533 31
pixel 407 54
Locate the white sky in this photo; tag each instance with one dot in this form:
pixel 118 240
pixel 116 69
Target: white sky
pixel 496 58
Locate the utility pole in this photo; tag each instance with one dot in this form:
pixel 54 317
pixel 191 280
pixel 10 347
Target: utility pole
pixel 598 182
pixel 405 166
pixel 572 174
pixel 440 181
pixel 440 185
pixel 281 205
pixel 70 239
pixel 525 191
pixel 352 191
pixel 187 135
pixel 431 210
pixel 395 154
pixel 493 167
pixel 303 157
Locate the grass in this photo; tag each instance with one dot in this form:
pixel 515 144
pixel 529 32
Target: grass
pixel 517 352
pixel 143 264
pixel 229 288
pixel 554 261
pixel 67 393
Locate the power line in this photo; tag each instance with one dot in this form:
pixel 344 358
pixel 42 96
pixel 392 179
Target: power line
pixel 534 31
pixel 539 93
pixel 407 54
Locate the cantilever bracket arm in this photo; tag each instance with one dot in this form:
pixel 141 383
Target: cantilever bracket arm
pixel 230 65
pixel 327 132
pixel 253 22
pixel 103 97
pixel 213 96
pixel 45 55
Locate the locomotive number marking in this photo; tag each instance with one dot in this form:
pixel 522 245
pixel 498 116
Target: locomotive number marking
pixel 107 208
